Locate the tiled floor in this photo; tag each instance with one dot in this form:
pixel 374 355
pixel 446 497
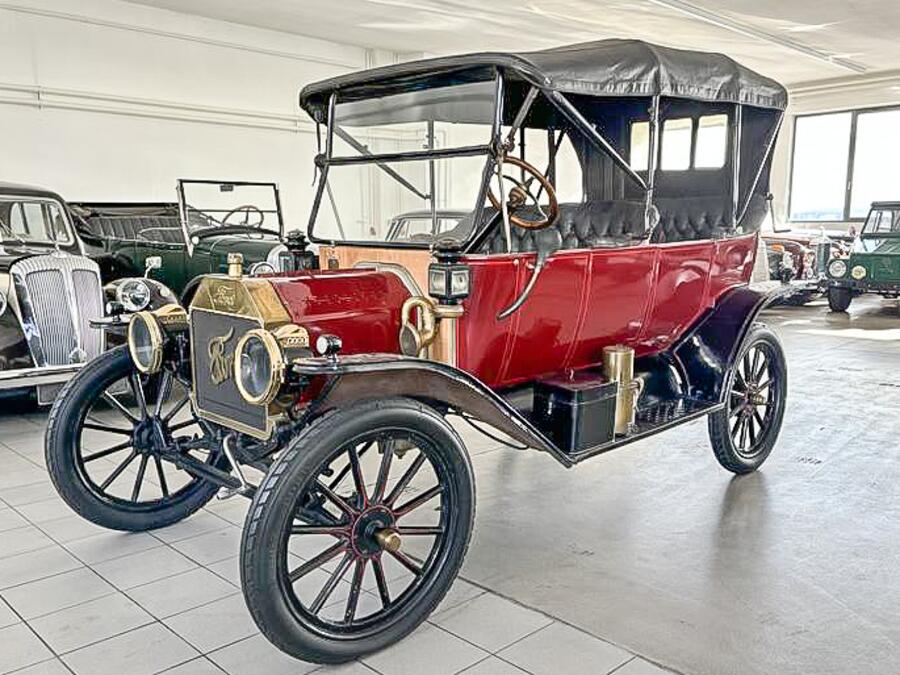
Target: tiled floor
pixel 79 599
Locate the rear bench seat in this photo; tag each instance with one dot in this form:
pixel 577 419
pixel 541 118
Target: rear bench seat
pixel 162 226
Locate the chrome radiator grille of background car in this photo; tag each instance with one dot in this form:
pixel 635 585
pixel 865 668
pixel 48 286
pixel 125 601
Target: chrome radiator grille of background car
pixel 58 295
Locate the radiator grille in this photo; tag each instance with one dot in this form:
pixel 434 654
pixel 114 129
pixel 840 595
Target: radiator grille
pixel 58 296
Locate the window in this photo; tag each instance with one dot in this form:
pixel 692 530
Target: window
pixel 875 160
pixel 706 141
pixel 842 162
pixel 712 142
pixel 640 146
pixel 676 144
pixel 37 221
pixel 883 222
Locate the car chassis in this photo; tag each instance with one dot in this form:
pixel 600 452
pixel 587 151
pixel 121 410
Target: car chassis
pixel 319 378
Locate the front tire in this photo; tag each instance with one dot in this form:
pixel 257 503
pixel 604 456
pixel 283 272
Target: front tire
pixel 744 432
pixel 318 530
pixel 99 447
pixel 839 299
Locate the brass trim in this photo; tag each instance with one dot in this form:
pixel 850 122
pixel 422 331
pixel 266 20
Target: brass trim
pixel 156 342
pixel 276 370
pixel 235 265
pixel 172 314
pixel 247 297
pixel 618 366
pixel 424 336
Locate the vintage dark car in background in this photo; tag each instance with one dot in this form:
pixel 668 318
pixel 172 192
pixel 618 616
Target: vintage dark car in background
pixel 872 265
pixel 49 292
pixel 799 261
pixel 570 325
pixel 190 237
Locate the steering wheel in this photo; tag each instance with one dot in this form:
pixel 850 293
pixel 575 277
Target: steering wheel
pixel 521 194
pixel 246 209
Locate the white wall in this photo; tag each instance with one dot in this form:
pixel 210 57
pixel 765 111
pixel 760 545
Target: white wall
pixel 844 94
pixel 104 100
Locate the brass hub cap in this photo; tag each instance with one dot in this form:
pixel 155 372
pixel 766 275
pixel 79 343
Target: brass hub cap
pixel 373 531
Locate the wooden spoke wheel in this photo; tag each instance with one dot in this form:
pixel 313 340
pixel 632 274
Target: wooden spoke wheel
pixel 358 531
pixel 745 431
pixel 110 443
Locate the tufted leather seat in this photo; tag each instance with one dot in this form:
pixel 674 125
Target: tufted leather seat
pixel 693 218
pixel 166 229
pixel 588 225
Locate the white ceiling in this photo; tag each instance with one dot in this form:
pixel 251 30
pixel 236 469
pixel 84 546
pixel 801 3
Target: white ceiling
pixel 791 40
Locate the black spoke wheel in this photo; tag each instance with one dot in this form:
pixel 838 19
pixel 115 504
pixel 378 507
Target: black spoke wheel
pixel 358 530
pixel 110 441
pixel 839 299
pixel 744 432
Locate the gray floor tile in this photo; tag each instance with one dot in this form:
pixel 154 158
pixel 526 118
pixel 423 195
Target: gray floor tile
pixel 46 509
pixel 10 520
pixel 233 510
pixel 352 668
pixel 142 568
pixel 90 622
pixel 229 569
pixel 563 649
pixel 211 547
pixel 493 666
pixel 258 656
pixel 52 667
pixel 7 616
pixel 22 477
pixel 428 650
pixel 57 592
pixel 201 666
pixel 459 592
pixel 143 651
pixel 38 564
pixel 199 523
pixel 214 625
pixel 23 540
pixel 111 545
pixel 181 592
pixel 638 666
pixel 491 622
pixel 71 527
pixel 21 648
pixel 27 494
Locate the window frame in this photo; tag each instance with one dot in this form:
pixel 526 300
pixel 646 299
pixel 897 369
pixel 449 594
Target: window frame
pixel 851 161
pixel 695 132
pixel 45 202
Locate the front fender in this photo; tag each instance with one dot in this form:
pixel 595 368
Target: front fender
pixel 355 378
pixel 160 294
pixel 707 352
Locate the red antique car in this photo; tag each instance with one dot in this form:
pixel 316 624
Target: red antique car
pixel 595 293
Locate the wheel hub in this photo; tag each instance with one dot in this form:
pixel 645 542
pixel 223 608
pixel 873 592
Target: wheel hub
pixel 373 531
pixel 150 436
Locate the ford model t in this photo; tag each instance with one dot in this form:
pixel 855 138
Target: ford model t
pixel 595 293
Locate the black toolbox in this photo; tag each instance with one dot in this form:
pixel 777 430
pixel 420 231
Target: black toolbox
pixel 576 413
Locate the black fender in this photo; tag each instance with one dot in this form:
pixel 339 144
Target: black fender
pixel 354 378
pixel 706 353
pixel 160 294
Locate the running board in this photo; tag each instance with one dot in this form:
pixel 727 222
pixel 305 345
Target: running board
pixel 652 419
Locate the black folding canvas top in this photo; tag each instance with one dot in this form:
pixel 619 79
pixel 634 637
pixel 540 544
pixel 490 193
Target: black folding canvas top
pixel 601 68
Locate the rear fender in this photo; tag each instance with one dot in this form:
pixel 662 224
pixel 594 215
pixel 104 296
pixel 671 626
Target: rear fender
pixel 355 378
pixel 707 352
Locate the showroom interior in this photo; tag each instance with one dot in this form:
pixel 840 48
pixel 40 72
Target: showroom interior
pixel 171 154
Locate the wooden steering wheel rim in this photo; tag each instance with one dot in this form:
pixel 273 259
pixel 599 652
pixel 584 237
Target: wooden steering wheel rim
pixel 553 206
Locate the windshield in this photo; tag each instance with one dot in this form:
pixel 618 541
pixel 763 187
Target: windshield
pixel 380 188
pixel 207 204
pixel 33 221
pixel 882 222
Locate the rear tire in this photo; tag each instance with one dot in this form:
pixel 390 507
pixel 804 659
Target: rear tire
pixel 744 432
pixel 839 299
pixel 292 508
pixel 67 461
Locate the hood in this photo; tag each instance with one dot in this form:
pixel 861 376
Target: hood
pixel 12 252
pixel 360 306
pixel 254 248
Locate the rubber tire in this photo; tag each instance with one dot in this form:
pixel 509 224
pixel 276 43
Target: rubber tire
pixel 59 448
pixel 719 432
pixel 839 299
pixel 280 491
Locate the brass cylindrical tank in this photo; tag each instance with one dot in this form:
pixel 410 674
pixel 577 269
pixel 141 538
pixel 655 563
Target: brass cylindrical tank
pixel 618 366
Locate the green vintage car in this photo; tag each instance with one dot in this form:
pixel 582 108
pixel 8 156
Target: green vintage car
pixel 175 243
pixel 873 264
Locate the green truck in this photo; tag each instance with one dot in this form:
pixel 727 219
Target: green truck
pixel 873 264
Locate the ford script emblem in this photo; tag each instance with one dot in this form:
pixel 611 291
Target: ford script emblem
pixel 220 365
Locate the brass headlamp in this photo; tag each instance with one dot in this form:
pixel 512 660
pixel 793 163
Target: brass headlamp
pixel 261 358
pixel 147 333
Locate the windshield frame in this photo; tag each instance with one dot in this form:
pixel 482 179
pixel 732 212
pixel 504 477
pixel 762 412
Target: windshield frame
pixel 895 218
pixel 494 152
pixel 189 233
